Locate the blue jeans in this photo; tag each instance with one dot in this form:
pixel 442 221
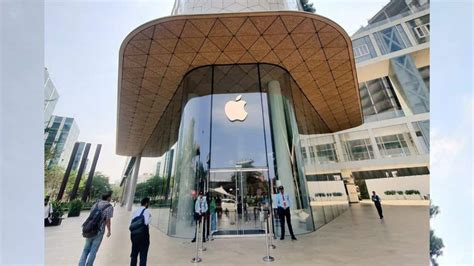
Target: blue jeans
pixel 90 249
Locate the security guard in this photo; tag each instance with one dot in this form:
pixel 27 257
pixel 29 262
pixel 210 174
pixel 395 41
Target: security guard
pixel 378 203
pixel 283 207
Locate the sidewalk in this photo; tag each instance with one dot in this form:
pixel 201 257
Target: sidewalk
pixel 357 237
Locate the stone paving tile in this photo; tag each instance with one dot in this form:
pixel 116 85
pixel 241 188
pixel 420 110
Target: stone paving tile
pixel 357 237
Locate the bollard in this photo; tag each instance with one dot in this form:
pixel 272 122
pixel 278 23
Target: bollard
pixel 197 259
pixel 267 258
pixel 270 234
pixel 202 248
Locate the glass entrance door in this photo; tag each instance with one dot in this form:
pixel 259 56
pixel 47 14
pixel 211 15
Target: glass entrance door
pixel 239 195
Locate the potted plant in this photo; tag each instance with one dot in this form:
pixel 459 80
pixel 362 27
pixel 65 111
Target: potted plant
pixel 75 208
pixel 400 193
pixel 57 214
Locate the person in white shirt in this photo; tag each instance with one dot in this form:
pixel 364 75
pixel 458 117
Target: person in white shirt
pixel 200 209
pixel 48 211
pixel 283 203
pixel 141 242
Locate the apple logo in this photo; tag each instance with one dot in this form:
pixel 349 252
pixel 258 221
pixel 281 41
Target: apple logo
pixel 235 110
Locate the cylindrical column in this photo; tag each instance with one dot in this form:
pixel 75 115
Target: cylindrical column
pixel 85 194
pixel 80 172
pixel 67 172
pixel 133 183
pixel 280 138
pixel 182 7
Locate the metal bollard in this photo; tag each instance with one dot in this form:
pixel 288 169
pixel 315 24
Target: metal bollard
pixel 271 235
pixel 197 259
pixel 202 248
pixel 267 258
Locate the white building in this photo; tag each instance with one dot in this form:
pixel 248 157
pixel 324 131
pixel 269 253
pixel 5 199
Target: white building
pixel 51 97
pixel 60 136
pixel 392 61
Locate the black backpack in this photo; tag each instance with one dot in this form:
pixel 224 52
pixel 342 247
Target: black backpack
pixel 92 224
pixel 137 226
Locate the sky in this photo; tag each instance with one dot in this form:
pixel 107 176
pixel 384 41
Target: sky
pixel 82 41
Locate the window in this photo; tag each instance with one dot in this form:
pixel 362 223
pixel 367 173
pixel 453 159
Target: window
pixel 357 150
pixel 378 96
pixel 305 155
pixel 361 50
pixel 423 30
pixel 420 29
pixel 393 146
pixel 326 153
pixel 392 39
pixel 391 173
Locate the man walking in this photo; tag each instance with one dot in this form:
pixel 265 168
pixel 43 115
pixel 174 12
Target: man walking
pixel 93 243
pixel 200 210
pixel 378 203
pixel 141 237
pixel 283 206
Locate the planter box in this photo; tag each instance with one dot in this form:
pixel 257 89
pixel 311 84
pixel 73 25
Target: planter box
pixel 74 214
pixel 55 222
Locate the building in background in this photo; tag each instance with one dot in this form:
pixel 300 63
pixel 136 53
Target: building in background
pixel 78 157
pixel 60 136
pixel 390 151
pixel 51 97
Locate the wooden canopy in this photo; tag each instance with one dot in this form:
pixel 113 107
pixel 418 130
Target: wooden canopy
pixel 155 57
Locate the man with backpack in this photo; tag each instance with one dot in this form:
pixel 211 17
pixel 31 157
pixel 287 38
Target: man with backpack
pixel 93 228
pixel 139 233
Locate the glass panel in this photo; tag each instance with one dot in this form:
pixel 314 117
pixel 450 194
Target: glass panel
pixel 392 39
pixel 395 141
pixel 239 196
pixel 237 121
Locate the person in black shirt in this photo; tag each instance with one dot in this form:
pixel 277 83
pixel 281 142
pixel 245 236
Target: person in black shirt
pixel 377 201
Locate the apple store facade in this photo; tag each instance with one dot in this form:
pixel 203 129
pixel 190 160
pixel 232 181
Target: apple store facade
pixel 232 95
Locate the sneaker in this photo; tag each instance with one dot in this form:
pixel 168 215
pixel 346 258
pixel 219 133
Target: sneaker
pixel 194 240
pixel 282 238
pixel 293 238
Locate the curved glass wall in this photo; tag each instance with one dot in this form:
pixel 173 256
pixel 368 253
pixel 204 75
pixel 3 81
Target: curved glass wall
pixel 234 132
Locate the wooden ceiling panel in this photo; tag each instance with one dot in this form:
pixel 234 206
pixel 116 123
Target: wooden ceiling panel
pixel 156 56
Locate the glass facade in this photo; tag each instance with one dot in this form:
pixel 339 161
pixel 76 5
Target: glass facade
pixel 378 100
pixel 394 141
pixel 239 135
pixel 392 39
pixel 357 146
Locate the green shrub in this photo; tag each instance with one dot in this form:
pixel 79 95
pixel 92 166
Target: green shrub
pixel 400 192
pixel 58 209
pixel 75 208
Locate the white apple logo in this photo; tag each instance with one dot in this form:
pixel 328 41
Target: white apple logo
pixel 235 110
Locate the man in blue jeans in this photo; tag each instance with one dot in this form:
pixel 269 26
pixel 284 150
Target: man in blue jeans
pixel 93 243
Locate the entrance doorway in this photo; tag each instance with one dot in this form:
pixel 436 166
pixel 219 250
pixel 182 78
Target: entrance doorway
pixel 239 194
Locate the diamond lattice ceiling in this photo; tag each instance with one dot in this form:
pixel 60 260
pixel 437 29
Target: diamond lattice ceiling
pixel 155 57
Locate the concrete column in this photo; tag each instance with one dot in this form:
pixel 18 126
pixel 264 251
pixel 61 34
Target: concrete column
pixel 375 148
pixel 133 183
pixel 124 196
pixel 375 44
pixel 339 149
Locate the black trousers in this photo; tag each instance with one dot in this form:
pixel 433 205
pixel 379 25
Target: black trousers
pixel 139 247
pixel 378 206
pixel 198 218
pixel 282 214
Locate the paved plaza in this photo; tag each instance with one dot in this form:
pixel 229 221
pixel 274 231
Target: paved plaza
pixel 357 237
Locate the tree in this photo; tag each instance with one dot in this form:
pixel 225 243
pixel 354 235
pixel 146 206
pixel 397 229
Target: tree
pixel 307 6
pixel 100 185
pixel 436 243
pixel 52 179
